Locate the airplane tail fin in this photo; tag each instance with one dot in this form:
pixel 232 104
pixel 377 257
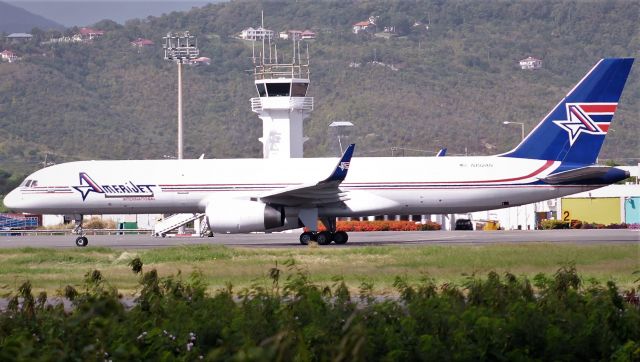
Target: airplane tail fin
pixel 574 130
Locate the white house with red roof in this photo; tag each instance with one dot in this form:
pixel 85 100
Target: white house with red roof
pixel 530 63
pixel 362 26
pixel 90 34
pixel 291 34
pixel 307 34
pixel 141 43
pixel 8 56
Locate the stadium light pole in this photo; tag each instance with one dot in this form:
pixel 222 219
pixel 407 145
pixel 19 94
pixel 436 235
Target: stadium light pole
pixel 521 127
pixel 181 48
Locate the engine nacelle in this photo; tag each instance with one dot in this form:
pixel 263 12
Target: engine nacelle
pixel 242 216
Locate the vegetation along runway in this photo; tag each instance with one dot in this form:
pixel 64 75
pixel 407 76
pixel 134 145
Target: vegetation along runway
pixel 375 258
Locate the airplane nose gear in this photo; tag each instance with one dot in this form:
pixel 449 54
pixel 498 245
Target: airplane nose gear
pixel 78 230
pixel 82 241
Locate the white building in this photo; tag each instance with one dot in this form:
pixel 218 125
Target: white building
pixel 16 37
pixel 282 105
pixel 8 56
pixel 257 34
pixel 307 35
pixel 361 26
pixel 530 63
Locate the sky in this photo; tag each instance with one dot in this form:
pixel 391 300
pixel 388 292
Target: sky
pixel 79 13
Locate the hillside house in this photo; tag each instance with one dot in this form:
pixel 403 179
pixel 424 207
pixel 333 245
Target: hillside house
pixel 63 40
pixel 201 61
pixel 89 33
pixel 308 34
pixel 257 34
pixel 362 26
pixel 8 56
pixel 530 63
pixel 19 37
pixel 291 34
pixel 141 43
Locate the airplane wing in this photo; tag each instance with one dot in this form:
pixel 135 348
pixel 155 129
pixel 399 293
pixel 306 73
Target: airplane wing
pixel 584 175
pixel 323 192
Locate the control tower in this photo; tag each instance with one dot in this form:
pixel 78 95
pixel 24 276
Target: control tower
pixel 282 103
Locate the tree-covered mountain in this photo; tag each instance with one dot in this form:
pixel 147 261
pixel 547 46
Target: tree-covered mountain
pixel 449 80
pixel 14 19
pixel 77 13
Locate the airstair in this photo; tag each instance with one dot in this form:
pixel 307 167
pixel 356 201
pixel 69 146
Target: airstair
pixel 175 221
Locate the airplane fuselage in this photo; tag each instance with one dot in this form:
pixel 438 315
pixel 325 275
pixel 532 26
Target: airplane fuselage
pixel 557 158
pixel 385 185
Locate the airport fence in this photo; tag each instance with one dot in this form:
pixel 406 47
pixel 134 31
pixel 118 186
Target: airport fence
pixel 70 231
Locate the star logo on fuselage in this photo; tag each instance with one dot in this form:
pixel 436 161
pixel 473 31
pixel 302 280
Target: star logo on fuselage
pixel 90 186
pixel 578 121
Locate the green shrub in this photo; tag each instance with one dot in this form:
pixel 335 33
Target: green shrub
pixel 288 317
pixel 554 224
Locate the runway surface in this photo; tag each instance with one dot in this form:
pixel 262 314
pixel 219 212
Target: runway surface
pixel 355 239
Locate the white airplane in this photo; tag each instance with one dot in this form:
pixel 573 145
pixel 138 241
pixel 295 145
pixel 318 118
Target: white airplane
pixel 247 195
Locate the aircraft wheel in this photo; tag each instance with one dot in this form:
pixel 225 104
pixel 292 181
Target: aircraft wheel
pixel 340 237
pixel 306 237
pixel 324 238
pixel 82 241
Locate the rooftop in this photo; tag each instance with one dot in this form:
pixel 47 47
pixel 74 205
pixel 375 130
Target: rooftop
pixel 19 35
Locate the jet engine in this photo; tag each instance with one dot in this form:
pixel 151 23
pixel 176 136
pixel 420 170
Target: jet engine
pixel 243 216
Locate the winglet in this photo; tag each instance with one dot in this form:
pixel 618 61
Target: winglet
pixel 442 152
pixel 342 167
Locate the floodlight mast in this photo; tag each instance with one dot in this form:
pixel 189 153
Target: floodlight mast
pixel 182 48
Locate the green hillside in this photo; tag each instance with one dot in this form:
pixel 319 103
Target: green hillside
pixel 455 83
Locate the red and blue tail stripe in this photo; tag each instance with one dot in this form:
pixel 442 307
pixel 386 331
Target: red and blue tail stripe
pixel 573 132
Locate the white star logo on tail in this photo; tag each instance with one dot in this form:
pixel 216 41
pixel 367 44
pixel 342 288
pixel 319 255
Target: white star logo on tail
pixel 579 119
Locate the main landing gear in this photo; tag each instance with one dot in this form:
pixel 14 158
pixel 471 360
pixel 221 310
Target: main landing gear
pixel 325 237
pixel 78 230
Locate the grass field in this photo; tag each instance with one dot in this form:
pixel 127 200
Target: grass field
pixel 51 269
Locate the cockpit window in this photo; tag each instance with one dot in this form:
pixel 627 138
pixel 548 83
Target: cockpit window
pixel 29 183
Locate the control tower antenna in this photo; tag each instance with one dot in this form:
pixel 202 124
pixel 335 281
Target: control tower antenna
pixel 282 101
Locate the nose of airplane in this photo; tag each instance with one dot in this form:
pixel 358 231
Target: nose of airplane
pixel 12 200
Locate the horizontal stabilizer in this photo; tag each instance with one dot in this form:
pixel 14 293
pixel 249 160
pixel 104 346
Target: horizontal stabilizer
pixel 587 176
